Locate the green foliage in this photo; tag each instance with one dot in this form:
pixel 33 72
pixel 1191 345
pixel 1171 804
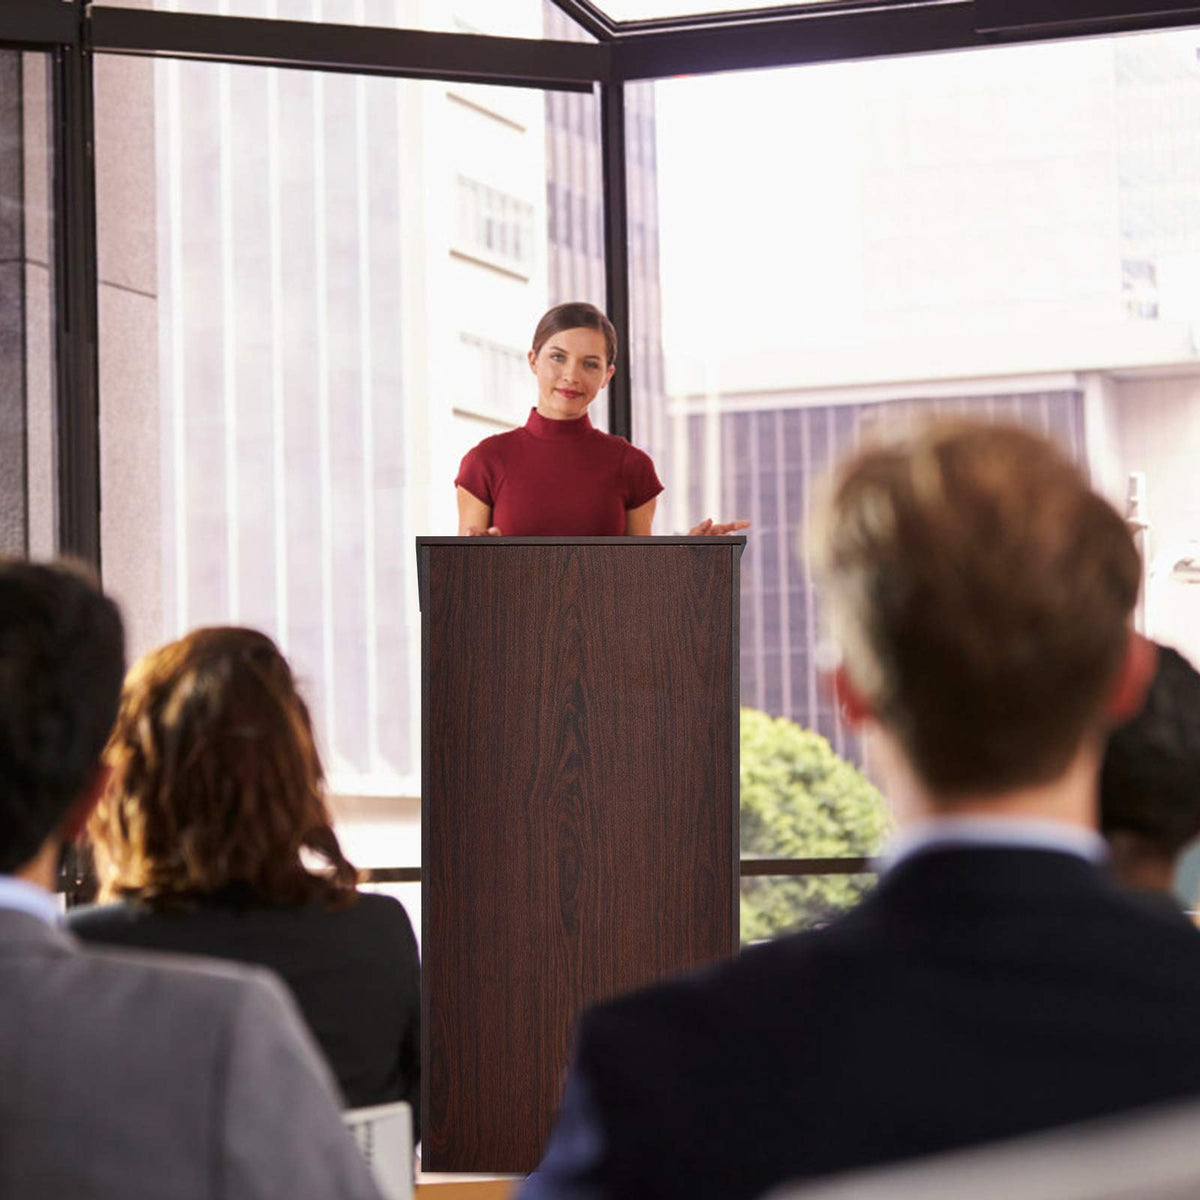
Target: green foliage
pixel 800 800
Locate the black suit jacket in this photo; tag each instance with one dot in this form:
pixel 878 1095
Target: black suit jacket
pixel 354 973
pixel 974 995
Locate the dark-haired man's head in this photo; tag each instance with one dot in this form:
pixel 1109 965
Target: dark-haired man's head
pixel 1150 781
pixel 980 593
pixel 62 658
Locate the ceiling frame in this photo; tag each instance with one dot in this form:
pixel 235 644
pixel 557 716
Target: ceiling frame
pixel 798 34
pixel 407 53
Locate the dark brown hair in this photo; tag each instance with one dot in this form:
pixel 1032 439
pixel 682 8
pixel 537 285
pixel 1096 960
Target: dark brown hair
pixel 981 593
pixel 1150 781
pixel 575 315
pixel 216 782
pixel 62 655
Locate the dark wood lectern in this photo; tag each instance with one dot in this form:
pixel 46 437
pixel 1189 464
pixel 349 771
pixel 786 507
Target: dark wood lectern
pixel 579 807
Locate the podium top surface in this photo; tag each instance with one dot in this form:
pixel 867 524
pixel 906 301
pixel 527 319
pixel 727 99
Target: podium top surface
pixel 729 539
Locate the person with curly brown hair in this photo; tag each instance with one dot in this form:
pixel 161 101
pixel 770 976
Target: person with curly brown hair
pixel 213 838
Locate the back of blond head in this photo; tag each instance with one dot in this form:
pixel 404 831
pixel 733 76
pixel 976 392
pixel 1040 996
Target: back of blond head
pixel 980 592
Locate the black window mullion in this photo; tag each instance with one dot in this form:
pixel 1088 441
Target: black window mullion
pixel 77 406
pixel 616 251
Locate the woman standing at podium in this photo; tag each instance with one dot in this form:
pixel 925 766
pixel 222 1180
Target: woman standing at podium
pixel 558 475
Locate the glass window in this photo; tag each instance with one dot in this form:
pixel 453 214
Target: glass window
pixel 27 466
pixel 317 292
pixel 383 831
pixel 773 905
pixel 1012 233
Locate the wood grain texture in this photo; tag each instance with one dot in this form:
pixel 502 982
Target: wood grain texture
pixel 579 812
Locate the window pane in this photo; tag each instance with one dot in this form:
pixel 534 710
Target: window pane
pixel 773 905
pixel 1012 233
pixel 499 18
pixel 383 831
pixel 800 799
pixel 317 292
pixel 27 475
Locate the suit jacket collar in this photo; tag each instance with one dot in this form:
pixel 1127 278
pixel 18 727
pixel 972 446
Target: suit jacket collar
pixel 23 933
pixel 24 896
pixel 945 876
pixel 1006 832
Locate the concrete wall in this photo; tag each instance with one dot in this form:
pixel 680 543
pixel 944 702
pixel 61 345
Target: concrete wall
pixel 27 482
pixel 130 457
pixel 12 307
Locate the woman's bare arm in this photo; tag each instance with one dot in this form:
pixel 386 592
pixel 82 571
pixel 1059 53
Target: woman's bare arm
pixel 638 520
pixel 474 517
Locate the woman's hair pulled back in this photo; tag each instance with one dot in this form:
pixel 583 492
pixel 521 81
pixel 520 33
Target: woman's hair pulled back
pixel 575 315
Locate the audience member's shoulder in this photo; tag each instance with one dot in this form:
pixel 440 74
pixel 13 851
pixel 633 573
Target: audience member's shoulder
pixel 380 926
pixel 711 995
pixel 91 919
pixel 166 970
pixel 385 912
pixel 129 988
pixel 1153 916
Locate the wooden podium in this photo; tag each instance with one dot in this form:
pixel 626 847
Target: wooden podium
pixel 579 808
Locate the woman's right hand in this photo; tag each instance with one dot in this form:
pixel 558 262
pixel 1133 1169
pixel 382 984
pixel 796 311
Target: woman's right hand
pixel 490 531
pixel 710 528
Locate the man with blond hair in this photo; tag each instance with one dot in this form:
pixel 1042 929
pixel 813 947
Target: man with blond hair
pixel 995 982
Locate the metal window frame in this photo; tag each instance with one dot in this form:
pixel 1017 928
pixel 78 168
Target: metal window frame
pixel 363 50
pixel 616 252
pixel 37 25
pixel 748 868
pixel 76 300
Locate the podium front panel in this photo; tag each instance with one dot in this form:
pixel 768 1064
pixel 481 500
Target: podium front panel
pixel 579 810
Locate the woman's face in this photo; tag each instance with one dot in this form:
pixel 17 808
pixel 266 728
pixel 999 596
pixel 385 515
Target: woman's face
pixel 571 367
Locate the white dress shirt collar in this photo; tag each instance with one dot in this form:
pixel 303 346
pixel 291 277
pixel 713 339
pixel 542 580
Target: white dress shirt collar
pixel 991 832
pixel 29 898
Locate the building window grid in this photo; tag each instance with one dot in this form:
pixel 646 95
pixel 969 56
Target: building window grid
pixel 499 373
pixel 495 223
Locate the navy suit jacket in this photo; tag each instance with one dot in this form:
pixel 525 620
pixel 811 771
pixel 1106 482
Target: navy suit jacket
pixel 976 994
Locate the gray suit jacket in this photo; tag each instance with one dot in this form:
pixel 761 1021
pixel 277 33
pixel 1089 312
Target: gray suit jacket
pixel 159 1078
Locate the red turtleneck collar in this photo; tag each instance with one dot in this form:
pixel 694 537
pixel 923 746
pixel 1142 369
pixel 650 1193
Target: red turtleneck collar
pixel 544 427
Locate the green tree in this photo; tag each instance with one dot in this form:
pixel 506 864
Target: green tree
pixel 800 800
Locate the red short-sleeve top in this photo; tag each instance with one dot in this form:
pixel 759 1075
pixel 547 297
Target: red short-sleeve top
pixel 558 479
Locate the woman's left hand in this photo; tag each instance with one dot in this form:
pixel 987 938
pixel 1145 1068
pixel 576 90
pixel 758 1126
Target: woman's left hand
pixel 706 528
